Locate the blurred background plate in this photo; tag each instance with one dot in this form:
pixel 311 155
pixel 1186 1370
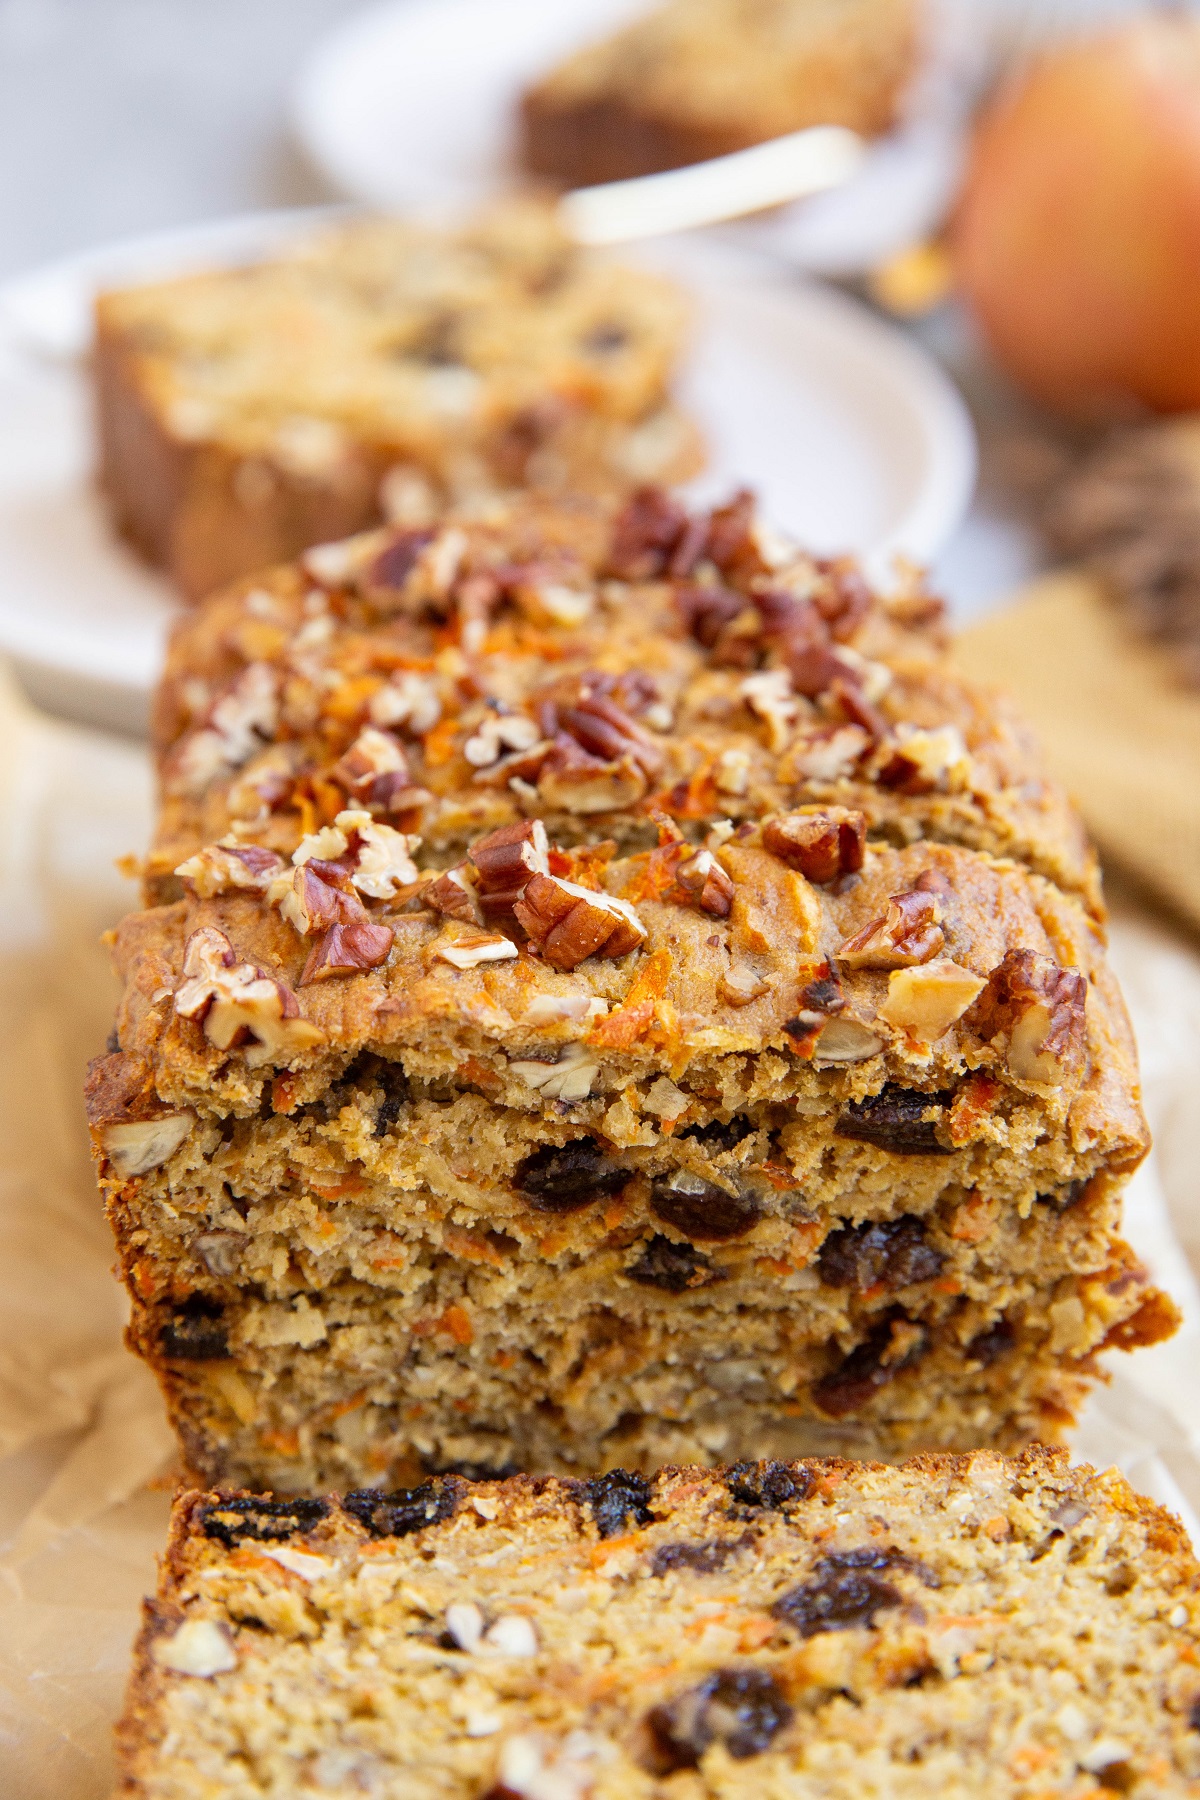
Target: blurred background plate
pixel 412 103
pixel 852 435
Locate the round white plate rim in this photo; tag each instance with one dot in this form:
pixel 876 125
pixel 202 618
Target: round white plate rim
pixel 905 187
pixel 62 290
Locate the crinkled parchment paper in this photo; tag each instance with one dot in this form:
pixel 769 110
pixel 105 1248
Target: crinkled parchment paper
pixel 85 1457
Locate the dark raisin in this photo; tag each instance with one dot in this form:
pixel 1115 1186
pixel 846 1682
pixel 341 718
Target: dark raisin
pixel 196 1332
pixel 890 1253
pixel 719 1136
pixel 864 1371
pixel 617 1498
pixel 843 1593
pixel 743 1709
pixel 702 1210
pixel 988 1345
pixel 389 1111
pixel 406 1510
pixel 769 1484
pixel 263 1520
pixel 899 1119
pixel 564 1179
pixel 703 1558
pixel 1194 1715
pixel 474 1471
pixel 674 1267
pixel 112 1043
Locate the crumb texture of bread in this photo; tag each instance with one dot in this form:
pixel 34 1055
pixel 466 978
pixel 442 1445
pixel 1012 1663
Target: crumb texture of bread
pixel 815 1630
pixel 611 996
pixel 699 78
pixel 379 371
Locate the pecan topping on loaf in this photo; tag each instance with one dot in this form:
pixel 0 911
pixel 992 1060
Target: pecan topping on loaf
pixel 823 845
pixel 235 1001
pixel 568 923
pixel 503 863
pixel 909 932
pixel 223 867
pixel 374 773
pixel 1035 1009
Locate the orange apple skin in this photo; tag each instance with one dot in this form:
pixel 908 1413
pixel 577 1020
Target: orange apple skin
pixel 1076 239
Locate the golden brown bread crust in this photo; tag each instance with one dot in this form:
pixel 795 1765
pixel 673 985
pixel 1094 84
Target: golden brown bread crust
pixel 696 653
pixel 246 414
pixel 792 1113
pixel 696 80
pixel 977 1622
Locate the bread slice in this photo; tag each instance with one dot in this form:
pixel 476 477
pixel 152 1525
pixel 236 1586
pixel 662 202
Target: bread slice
pixel 246 413
pixel 752 1081
pixel 699 78
pixel 821 1630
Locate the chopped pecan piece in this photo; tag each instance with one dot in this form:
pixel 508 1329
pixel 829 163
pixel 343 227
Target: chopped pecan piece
pixel 453 895
pixel 1040 1009
pixel 924 762
pixel 503 863
pixel 569 923
pixel 701 881
pixel 347 949
pixel 823 845
pixel 228 865
pixel 646 533
pixel 570 778
pixel 909 932
pixel 374 771
pixel 843 598
pixel 707 609
pixel 468 953
pixel 234 1001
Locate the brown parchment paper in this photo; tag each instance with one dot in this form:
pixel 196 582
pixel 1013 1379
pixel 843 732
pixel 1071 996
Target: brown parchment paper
pixel 85 1457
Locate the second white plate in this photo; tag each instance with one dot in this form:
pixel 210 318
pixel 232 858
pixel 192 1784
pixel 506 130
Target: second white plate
pixel 854 439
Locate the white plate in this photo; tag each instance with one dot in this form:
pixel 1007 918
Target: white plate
pixel 411 103
pixel 855 440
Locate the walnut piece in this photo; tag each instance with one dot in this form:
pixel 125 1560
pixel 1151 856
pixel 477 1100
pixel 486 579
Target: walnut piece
pixel 234 1002
pixel 846 1041
pixel 928 1000
pixel 569 923
pixel 1036 1009
pixel 909 932
pixel 821 844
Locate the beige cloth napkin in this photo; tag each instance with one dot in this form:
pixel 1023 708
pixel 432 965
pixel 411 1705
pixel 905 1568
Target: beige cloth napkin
pixel 83 1446
pixel 1121 731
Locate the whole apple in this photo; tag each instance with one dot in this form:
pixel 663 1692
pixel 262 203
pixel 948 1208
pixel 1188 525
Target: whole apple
pixel 1077 237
